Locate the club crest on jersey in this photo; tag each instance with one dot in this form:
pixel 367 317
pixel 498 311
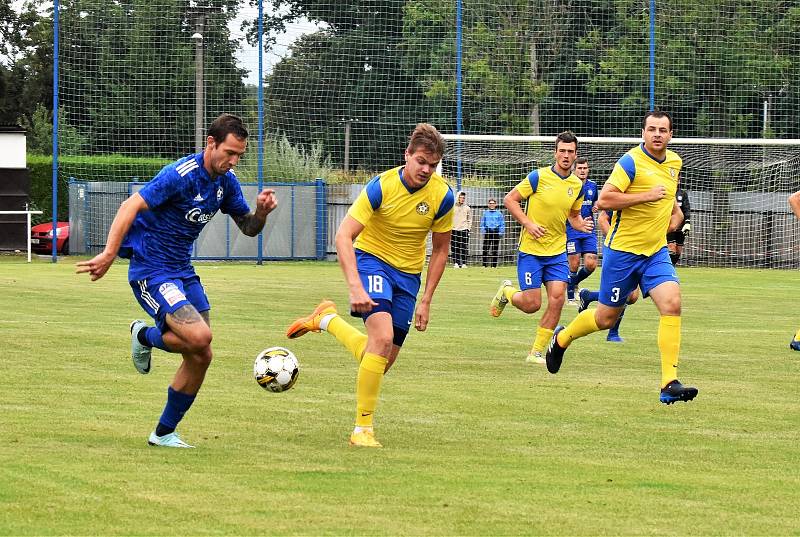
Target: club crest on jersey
pixel 423 208
pixel 672 172
pixel 569 192
pixel 197 216
pixel 219 193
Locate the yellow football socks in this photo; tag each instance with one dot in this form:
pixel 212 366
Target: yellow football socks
pixel 543 336
pixel 669 343
pixel 580 326
pixel 368 386
pixel 797 335
pixel 509 291
pixel 353 340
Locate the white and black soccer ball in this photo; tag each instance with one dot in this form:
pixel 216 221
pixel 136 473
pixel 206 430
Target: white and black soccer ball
pixel 276 369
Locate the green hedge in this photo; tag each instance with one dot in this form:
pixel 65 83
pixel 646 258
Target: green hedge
pixel 86 168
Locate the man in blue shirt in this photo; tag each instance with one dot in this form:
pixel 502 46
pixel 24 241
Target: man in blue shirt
pixel 581 244
pixel 155 228
pixel 493 227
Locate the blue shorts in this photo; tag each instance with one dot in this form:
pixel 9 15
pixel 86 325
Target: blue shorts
pixel 160 296
pixel 395 292
pixel 582 245
pixel 532 270
pixel 623 271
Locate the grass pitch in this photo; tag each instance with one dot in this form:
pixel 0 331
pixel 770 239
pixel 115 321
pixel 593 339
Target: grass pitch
pixel 477 441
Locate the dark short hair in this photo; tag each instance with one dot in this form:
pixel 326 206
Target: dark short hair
pixel 581 160
pixel 657 114
pixel 227 124
pixel 425 136
pixel 567 137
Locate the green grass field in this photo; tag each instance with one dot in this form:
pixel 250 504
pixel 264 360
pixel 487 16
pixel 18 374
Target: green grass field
pixel 477 441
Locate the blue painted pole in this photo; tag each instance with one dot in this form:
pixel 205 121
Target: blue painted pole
pixel 459 117
pixel 652 54
pixel 260 115
pixel 54 251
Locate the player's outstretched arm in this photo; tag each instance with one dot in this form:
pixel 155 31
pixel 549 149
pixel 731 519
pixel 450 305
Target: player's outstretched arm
pixel 676 218
pixel 440 246
pixel 126 214
pixel 794 203
pixel 604 221
pixel 513 202
pixel 360 301
pixel 252 223
pixel 581 224
pixel 612 198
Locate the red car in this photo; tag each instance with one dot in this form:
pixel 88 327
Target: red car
pixel 42 238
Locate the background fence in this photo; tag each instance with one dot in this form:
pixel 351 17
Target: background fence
pixel 297 229
pixel 344 82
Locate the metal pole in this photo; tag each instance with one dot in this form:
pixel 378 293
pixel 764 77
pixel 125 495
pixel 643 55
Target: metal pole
pixel 260 115
pixel 765 120
pixel 652 54
pixel 347 124
pixel 53 252
pixel 459 118
pixel 199 97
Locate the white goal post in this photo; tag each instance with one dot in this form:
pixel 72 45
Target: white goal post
pixel 738 190
pixel 27 226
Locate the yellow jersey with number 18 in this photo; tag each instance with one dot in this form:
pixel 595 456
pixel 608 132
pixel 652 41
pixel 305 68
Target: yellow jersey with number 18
pixel 550 200
pixel 397 218
pixel 642 229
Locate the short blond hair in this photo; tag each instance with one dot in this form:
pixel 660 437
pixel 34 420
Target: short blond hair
pixel 425 136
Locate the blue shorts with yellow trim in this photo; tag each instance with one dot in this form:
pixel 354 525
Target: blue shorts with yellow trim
pixel 162 295
pixel 385 283
pixel 532 270
pixel 623 271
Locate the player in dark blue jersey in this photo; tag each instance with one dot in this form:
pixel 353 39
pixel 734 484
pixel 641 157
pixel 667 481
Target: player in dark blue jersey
pixel 156 228
pixel 582 244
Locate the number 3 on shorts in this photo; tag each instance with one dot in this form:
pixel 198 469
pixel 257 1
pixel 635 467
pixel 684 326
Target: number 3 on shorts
pixel 615 294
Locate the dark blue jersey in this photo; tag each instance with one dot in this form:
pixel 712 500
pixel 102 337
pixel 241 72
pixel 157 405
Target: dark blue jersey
pixel 182 199
pixel 590 195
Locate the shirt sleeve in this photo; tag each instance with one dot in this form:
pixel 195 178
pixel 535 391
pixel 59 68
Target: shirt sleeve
pixel 623 173
pixel 367 201
pixel 233 203
pixel 686 209
pixel 528 186
pixel 162 188
pixel 443 221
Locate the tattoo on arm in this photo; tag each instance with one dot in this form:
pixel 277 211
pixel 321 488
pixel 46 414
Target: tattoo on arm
pixel 250 224
pixel 187 315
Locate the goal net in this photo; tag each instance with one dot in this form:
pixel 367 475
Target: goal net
pixel 737 188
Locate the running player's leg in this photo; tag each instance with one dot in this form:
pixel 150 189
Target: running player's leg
pixel 660 281
pixel 619 277
pixel 555 273
pixel 574 260
pixel 186 328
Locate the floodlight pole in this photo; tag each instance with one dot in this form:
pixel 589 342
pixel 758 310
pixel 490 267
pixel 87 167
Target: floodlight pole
pixel 199 97
pixel 54 251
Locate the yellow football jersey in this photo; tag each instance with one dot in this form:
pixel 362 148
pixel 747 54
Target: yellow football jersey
pixel 550 200
pixel 397 219
pixel 642 229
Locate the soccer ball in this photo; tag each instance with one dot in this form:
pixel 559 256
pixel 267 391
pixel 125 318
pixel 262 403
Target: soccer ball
pixel 276 369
